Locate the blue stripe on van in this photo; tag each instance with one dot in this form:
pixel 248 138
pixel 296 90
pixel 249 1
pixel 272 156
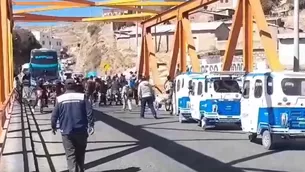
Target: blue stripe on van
pixel 43 65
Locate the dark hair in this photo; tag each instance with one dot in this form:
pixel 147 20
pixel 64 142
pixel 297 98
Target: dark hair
pixel 70 87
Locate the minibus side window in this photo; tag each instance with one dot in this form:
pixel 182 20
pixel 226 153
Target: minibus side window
pixel 246 89
pixel 178 85
pixel 190 83
pixel 194 88
pixel 199 90
pixel 182 85
pixel 258 89
pixel 269 85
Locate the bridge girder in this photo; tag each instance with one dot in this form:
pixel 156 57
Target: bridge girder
pixel 245 13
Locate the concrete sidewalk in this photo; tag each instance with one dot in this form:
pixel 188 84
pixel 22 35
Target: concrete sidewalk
pixel 18 153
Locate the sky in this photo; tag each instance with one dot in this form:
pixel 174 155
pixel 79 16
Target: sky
pixel 74 12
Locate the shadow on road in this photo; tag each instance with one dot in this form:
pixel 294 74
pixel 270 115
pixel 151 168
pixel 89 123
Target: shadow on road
pixel 298 144
pixel 130 169
pixel 182 154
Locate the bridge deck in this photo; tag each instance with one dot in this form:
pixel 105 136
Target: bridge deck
pixel 124 142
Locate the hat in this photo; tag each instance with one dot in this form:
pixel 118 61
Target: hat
pixel 69 82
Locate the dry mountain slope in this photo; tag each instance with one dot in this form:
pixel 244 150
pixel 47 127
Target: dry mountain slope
pixel 97 46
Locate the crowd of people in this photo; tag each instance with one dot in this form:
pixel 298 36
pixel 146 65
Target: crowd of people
pixel 101 91
pixel 75 99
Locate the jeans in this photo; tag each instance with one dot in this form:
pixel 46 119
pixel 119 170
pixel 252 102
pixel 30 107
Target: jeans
pixel 150 103
pixel 75 148
pixel 26 92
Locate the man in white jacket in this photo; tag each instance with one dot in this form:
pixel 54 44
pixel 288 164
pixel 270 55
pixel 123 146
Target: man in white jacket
pixel 127 94
pixel 146 95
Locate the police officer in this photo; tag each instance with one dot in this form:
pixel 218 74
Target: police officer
pixel 74 113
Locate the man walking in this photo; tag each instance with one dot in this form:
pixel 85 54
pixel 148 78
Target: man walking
pixel 147 96
pixel 74 113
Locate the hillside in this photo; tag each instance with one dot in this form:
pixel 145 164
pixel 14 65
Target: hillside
pixel 92 45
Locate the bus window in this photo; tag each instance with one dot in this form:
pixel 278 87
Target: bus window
pixel 269 85
pixel 246 89
pixel 178 85
pixel 258 88
pixel 199 90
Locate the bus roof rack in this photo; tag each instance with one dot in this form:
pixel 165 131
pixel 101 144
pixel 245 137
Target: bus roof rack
pixel 227 73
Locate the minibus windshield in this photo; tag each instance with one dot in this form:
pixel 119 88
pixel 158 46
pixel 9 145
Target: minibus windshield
pixel 293 86
pixel 226 86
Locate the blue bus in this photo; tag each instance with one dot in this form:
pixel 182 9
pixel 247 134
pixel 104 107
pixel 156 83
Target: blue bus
pixel 44 63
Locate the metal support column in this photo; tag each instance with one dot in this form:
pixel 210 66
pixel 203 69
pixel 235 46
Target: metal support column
pixel 296 59
pixel 4 23
pixel 2 92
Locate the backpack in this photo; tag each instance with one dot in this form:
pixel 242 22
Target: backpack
pixel 132 83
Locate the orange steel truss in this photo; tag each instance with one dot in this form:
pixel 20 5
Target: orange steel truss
pixel 184 43
pixel 132 5
pixel 6 64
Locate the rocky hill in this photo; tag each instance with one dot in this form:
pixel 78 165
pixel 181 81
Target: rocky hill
pixel 93 45
pixel 23 42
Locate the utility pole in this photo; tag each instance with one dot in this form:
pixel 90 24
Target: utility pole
pixel 51 37
pixel 296 62
pixel 137 33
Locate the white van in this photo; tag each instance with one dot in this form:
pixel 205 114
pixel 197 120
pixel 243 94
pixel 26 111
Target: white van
pixel 216 99
pixel 181 99
pixel 273 105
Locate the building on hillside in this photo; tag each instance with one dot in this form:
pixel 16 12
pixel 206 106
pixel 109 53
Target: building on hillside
pixel 284 9
pixel 257 45
pixel 46 40
pixel 286 49
pixel 223 4
pixel 209 16
pixel 116 12
pixel 205 36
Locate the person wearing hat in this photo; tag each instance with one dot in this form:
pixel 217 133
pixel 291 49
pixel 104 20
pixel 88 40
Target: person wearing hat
pixel 75 116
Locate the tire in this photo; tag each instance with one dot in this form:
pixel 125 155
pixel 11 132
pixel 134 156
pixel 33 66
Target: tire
pixel 181 120
pixel 267 140
pixel 252 137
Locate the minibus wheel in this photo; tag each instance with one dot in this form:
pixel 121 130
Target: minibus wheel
pixel 252 137
pixel 267 140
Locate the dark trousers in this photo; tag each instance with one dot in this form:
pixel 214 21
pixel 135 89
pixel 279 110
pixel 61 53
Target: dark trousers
pixel 135 96
pixel 75 148
pixel 150 102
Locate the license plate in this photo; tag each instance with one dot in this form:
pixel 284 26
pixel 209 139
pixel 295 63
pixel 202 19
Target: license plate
pixel 227 120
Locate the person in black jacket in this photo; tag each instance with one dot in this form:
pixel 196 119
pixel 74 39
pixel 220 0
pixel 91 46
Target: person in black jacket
pixel 74 113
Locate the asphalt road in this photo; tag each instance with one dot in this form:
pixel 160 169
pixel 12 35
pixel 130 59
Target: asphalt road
pixel 123 142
